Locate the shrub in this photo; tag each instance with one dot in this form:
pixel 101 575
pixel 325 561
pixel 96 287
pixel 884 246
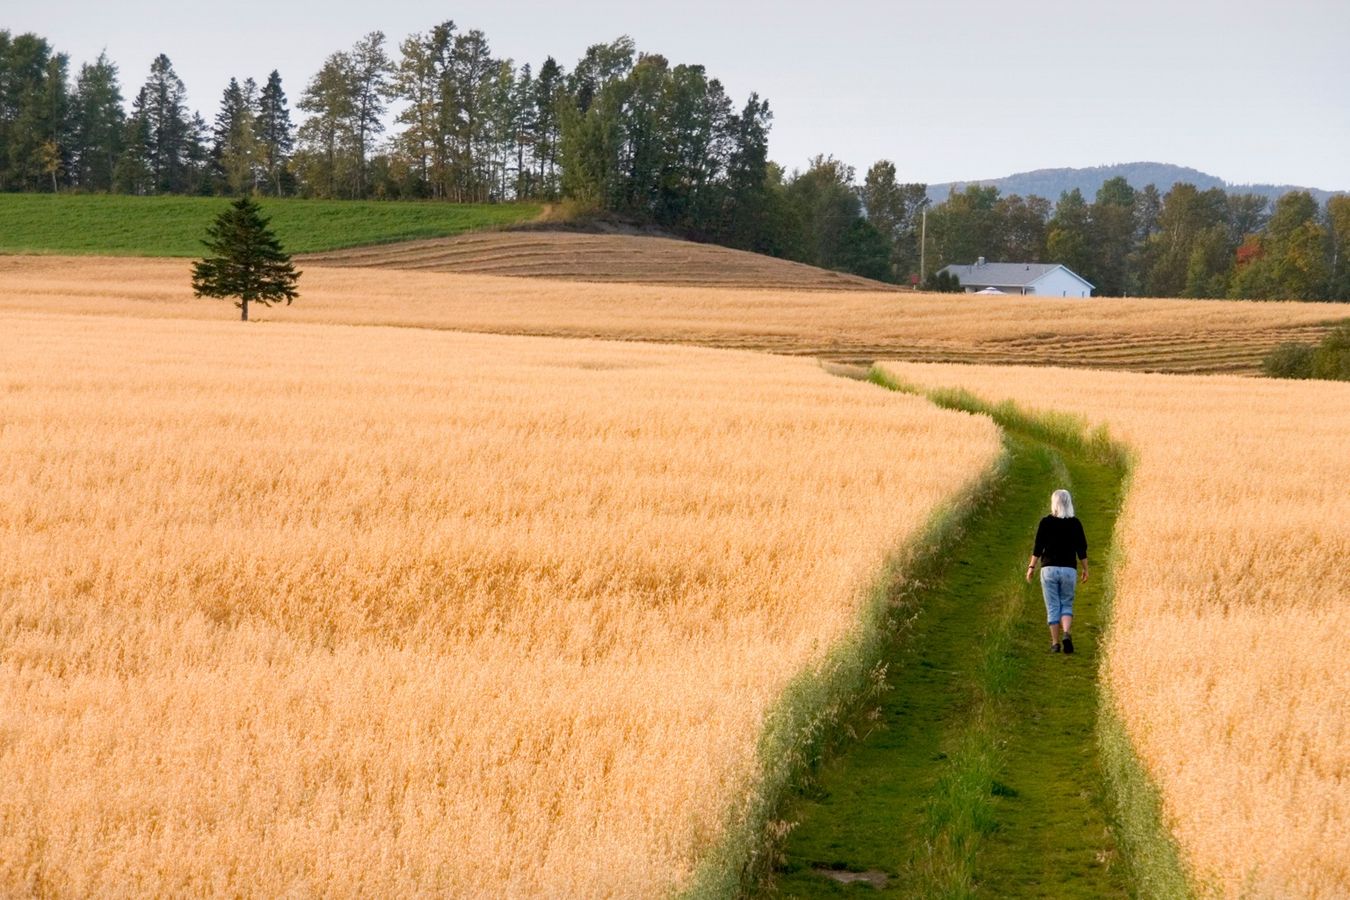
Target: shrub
pixel 942 283
pixel 1331 358
pixel 1290 360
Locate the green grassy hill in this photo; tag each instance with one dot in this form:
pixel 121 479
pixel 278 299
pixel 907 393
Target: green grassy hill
pixel 174 226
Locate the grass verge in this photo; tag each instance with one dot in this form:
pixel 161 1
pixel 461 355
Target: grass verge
pixel 819 708
pixel 119 225
pixel 1064 431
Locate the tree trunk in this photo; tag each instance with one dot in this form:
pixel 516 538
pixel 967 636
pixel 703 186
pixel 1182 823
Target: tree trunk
pixel 243 309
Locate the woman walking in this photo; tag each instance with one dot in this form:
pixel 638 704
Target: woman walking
pixel 1061 546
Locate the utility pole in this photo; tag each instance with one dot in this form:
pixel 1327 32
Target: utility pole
pixel 923 240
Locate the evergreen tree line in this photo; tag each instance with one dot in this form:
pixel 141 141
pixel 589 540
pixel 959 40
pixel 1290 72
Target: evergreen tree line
pixel 55 135
pixel 632 135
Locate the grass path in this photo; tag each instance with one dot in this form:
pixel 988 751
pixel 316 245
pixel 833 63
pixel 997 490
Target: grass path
pixel 980 776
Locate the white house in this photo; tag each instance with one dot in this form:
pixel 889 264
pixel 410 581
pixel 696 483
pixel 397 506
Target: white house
pixel 1037 279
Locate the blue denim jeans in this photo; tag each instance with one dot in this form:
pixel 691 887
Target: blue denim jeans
pixel 1058 584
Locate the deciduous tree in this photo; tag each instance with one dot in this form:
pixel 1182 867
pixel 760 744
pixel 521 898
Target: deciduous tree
pixel 1019 228
pixel 326 134
pixel 1067 240
pixel 826 205
pixel 473 73
pixel 1338 234
pixel 1112 234
pixel 893 209
pixel 1290 261
pixel 750 217
pixel 1187 215
pixel 369 72
pixel 550 93
pixel 865 251
pixel 964 227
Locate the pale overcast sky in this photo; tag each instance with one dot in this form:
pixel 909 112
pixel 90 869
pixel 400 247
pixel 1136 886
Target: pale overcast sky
pixel 957 90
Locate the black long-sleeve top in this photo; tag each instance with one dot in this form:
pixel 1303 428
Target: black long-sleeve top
pixel 1060 542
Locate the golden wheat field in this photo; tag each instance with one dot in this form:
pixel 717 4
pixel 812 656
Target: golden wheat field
pixel 1231 628
pixel 1156 335
pixel 312 610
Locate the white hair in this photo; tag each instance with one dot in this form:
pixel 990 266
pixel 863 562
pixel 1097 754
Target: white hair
pixel 1061 505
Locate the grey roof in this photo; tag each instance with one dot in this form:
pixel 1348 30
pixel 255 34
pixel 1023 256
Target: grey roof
pixel 1007 274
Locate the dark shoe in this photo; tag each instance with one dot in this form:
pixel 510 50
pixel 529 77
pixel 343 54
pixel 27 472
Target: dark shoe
pixel 1068 644
pixel 1054 648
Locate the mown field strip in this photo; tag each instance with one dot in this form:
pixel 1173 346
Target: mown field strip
pixel 839 325
pixel 979 771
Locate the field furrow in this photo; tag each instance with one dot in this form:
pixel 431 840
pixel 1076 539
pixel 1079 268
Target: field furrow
pixel 596 257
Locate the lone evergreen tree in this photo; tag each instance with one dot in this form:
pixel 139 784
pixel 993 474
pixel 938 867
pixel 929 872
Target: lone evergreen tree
pixel 247 260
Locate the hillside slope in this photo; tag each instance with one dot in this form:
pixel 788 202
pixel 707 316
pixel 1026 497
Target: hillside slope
pixel 573 256
pixel 1050 183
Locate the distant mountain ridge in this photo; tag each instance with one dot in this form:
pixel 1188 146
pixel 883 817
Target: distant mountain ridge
pixel 1050 183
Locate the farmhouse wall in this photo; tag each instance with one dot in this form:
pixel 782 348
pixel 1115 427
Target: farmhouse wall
pixel 1059 283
